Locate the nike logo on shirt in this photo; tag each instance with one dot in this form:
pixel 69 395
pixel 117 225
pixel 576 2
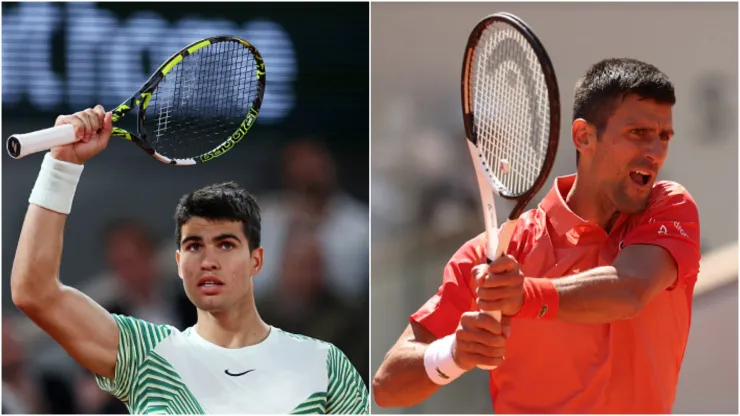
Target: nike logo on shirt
pixel 237 374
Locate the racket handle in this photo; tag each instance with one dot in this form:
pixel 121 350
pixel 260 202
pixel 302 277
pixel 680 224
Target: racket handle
pixel 20 145
pixel 507 230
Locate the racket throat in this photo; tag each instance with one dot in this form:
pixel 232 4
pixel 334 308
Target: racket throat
pixel 504 238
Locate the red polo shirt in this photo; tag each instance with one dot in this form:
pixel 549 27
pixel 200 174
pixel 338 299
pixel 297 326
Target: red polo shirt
pixel 627 366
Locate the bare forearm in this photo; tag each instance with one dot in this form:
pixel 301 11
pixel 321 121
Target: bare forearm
pixel 596 296
pixel 401 380
pixel 38 255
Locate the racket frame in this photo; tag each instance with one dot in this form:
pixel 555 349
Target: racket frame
pixel 61 135
pixel 497 241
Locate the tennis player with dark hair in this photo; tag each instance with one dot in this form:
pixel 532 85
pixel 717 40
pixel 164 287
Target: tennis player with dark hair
pixel 596 288
pixel 230 361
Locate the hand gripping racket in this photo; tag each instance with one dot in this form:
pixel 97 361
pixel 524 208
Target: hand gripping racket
pixel 197 106
pixel 511 113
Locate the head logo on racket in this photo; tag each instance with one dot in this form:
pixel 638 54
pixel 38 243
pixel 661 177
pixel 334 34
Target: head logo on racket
pixel 511 114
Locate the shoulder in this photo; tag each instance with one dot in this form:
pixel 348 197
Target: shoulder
pixel 134 330
pixel 297 343
pixel 670 189
pixel 532 222
pixel 530 227
pixel 137 340
pixel 471 251
pixel 133 322
pixel 309 348
pixel 669 196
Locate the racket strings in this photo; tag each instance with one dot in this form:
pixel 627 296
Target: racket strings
pixel 202 101
pixel 511 109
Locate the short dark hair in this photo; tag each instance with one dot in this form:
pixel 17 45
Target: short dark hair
pixel 221 202
pixel 607 82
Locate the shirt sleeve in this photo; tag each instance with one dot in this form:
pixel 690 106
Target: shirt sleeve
pixel 346 392
pixel 441 313
pixel 671 221
pixel 136 340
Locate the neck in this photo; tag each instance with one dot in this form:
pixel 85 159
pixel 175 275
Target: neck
pixel 587 200
pixel 238 327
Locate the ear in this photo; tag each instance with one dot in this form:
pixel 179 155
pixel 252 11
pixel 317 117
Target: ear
pixel 256 261
pixel 583 135
pixel 177 259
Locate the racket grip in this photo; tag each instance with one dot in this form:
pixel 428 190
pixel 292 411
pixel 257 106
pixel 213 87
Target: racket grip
pixel 20 145
pixel 507 230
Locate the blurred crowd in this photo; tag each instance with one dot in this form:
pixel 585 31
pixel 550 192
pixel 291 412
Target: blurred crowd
pixel 423 184
pixel 314 283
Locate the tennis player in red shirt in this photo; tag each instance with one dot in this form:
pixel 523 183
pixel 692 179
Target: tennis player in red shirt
pixel 597 286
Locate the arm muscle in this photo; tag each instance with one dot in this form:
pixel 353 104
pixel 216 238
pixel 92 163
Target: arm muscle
pixel 401 380
pixel 81 326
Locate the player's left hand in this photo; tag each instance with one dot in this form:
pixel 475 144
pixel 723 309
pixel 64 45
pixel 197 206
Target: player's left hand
pixel 500 286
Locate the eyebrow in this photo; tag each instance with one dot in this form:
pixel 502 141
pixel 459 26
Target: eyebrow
pixel 220 237
pixel 633 122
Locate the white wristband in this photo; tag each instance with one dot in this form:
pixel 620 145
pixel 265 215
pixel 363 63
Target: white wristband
pixel 56 185
pixel 441 367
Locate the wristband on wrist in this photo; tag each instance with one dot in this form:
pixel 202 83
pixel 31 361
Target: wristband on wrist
pixel 56 185
pixel 541 299
pixel 438 362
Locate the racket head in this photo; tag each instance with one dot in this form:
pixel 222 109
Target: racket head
pixel 199 103
pixel 511 107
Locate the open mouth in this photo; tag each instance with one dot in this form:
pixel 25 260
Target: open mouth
pixel 210 284
pixel 641 177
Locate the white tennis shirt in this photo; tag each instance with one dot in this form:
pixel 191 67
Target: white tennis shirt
pixel 162 370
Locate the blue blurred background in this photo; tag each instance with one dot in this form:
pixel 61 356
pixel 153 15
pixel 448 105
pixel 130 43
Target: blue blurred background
pixel 306 160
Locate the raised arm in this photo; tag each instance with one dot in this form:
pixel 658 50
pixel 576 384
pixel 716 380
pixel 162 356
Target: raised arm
pixel 81 326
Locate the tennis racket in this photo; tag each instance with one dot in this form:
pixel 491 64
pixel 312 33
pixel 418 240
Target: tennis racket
pixel 197 106
pixel 511 113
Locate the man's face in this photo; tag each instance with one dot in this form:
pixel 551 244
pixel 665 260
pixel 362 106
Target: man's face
pixel 631 152
pixel 215 263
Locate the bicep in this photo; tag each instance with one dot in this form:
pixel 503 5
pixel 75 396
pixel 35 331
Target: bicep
pixel 648 269
pixel 82 327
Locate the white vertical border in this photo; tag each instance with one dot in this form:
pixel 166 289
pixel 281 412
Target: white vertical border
pixel 738 226
pixel 370 397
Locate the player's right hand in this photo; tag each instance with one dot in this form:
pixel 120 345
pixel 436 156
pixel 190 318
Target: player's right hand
pixel 479 341
pixel 93 128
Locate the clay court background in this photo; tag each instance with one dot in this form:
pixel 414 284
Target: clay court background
pixel 425 199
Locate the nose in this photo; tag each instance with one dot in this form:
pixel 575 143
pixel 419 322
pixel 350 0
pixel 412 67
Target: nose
pixel 209 261
pixel 656 150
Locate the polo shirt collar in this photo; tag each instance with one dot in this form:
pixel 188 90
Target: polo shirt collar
pixel 558 213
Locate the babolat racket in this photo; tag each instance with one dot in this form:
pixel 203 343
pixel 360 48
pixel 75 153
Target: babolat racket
pixel 197 106
pixel 511 112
